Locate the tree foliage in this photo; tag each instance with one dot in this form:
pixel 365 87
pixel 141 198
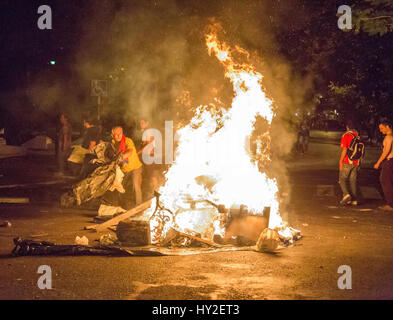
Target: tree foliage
pixel 374 17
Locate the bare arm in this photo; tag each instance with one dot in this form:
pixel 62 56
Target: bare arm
pixel 92 145
pixel 127 154
pixel 145 146
pixel 387 146
pixel 130 149
pixel 342 157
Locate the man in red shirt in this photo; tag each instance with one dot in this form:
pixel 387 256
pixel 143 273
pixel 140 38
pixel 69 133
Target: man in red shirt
pixel 348 169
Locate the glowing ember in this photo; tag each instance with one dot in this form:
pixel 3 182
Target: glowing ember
pixel 213 160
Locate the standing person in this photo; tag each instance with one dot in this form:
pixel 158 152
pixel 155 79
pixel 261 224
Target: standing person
pixel 92 134
pixel 386 159
pixel 64 143
pixel 91 138
pixel 150 170
pixel 132 166
pixel 348 168
pixel 303 137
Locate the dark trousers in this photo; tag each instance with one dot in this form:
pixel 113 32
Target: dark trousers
pixel 87 167
pixel 386 179
pixel 132 182
pixel 62 159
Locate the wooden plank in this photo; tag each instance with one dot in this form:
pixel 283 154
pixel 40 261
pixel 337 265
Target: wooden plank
pixel 211 243
pixel 14 200
pixel 114 221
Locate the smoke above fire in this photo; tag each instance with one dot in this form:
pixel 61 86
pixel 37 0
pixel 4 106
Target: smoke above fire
pixel 153 56
pixel 221 170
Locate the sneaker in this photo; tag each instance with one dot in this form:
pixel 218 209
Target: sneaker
pixel 354 203
pixel 346 199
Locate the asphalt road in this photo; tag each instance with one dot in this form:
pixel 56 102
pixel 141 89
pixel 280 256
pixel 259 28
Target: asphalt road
pixel 360 238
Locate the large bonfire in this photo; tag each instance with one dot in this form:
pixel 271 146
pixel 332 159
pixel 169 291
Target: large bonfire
pixel 213 160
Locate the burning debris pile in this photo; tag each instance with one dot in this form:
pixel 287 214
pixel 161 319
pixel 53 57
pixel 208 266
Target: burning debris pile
pixel 195 227
pixel 217 193
pixel 214 191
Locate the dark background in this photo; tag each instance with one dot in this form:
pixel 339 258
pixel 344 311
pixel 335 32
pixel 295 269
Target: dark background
pixel 310 66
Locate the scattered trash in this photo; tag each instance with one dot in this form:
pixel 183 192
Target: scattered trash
pixel 268 241
pixel 82 241
pixel 26 247
pixel 336 217
pixel 305 224
pixel 5 224
pixel 95 186
pixel 108 240
pixel 106 210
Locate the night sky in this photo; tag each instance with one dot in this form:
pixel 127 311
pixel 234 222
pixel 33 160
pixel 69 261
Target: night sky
pixel 302 34
pixel 26 49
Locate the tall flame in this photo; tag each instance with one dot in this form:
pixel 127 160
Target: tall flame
pixel 213 161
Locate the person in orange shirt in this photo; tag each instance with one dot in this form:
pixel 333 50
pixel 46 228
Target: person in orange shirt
pixel 132 166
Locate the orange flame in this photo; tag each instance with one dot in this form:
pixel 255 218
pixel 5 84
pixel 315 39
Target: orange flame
pixel 213 162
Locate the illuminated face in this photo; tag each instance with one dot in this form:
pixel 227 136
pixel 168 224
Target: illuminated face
pixel 117 134
pixel 382 128
pixel 144 124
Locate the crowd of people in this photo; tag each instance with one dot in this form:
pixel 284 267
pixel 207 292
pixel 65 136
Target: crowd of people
pixel 83 158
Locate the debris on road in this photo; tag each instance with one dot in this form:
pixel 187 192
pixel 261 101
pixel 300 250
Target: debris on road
pixel 108 240
pixel 26 247
pixel 114 221
pixel 82 240
pixel 106 210
pixel 133 233
pixel 268 241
